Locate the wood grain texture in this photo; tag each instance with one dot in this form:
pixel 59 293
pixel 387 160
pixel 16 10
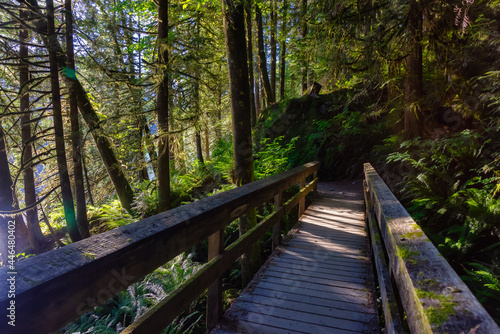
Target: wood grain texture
pixel 434 298
pixel 319 281
pixel 392 315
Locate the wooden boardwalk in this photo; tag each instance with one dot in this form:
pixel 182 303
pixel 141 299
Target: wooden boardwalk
pixel 319 281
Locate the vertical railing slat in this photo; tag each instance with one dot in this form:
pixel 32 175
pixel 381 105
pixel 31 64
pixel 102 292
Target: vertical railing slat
pixel 214 292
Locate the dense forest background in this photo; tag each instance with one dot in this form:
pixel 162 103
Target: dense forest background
pixel 111 111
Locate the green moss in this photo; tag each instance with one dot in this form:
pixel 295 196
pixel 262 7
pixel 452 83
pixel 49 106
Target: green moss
pixel 405 253
pixel 129 240
pixel 429 284
pixel 377 237
pixel 438 314
pixel 90 256
pixel 413 235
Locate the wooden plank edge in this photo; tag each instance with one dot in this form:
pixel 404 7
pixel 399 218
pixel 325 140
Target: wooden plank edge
pixel 393 324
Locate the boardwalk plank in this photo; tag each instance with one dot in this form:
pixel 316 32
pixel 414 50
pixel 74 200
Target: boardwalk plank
pixel 318 281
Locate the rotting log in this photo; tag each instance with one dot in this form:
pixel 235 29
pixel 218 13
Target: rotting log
pixel 66 283
pixel 433 296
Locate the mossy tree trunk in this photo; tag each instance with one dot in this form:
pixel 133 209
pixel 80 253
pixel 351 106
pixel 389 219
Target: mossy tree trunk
pixel 81 204
pixel 67 196
pixel 248 17
pixel 234 28
pixel 36 237
pixel 262 56
pixel 162 105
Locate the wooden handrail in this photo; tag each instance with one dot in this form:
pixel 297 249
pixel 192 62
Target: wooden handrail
pixel 57 287
pixel 433 296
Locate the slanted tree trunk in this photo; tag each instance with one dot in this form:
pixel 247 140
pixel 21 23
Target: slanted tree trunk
pixel 36 238
pixel 67 197
pixel 262 56
pixel 283 50
pixel 234 28
pixel 163 142
pixel 274 28
pixel 81 204
pixel 248 16
pixel 113 166
pixel 414 81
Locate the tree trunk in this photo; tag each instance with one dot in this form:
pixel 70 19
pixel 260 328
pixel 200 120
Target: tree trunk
pixel 89 188
pixel 6 198
pixel 163 142
pixel 81 205
pixel 303 35
pixel 248 16
pixel 274 24
pixel 199 149
pixel 113 166
pixel 67 197
pixel 258 107
pixel 414 81
pixel 207 142
pixel 283 50
pixel 234 27
pixel 36 238
pixel 262 56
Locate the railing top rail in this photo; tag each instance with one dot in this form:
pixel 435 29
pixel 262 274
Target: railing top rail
pixel 434 297
pixel 61 285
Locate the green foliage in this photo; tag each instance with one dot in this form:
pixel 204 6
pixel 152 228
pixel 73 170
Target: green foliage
pixel 483 282
pixel 222 156
pixel 120 311
pixel 273 157
pixel 108 216
pixel 451 185
pixel 146 199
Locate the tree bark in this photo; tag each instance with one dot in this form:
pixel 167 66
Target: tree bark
pixel 81 205
pixel 262 56
pixel 248 17
pixel 283 50
pixel 113 166
pixel 36 238
pixel 163 142
pixel 274 27
pixel 414 81
pixel 6 198
pixel 207 142
pixel 199 149
pixel 258 107
pixel 303 35
pixel 234 28
pixel 67 197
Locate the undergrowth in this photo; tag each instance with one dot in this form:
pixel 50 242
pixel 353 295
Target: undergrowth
pixel 128 305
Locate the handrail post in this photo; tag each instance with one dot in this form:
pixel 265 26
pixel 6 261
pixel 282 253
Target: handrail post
pixel 302 202
pixel 315 191
pixel 278 199
pixel 214 292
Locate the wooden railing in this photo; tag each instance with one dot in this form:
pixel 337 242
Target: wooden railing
pixel 57 287
pixel 433 297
